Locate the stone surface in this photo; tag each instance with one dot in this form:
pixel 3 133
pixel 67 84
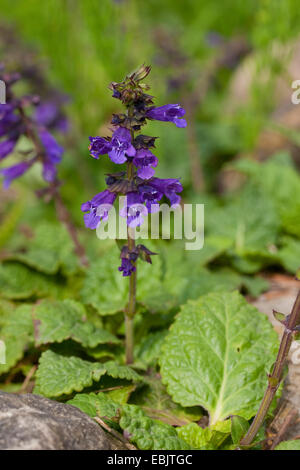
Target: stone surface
pixel 31 422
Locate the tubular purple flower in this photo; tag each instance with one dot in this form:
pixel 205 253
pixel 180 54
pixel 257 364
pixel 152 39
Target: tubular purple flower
pixel 169 187
pixel 127 267
pixel 134 210
pixel 97 209
pixel 12 172
pixel 121 146
pixel 150 196
pixel 153 191
pixel 169 112
pixel 52 149
pixel 99 146
pixel 144 160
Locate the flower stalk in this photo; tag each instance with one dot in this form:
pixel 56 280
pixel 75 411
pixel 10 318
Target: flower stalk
pixel 142 189
pixel 292 325
pixel 130 311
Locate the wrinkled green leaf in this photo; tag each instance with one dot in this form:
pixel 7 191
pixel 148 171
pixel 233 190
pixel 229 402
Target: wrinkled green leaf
pixel 157 404
pixel 148 350
pixel 95 404
pixel 217 355
pixel 280 180
pixel 249 221
pixel 147 433
pixel 20 282
pixel 205 438
pixel 49 250
pixel 67 319
pixel 17 334
pixel 59 375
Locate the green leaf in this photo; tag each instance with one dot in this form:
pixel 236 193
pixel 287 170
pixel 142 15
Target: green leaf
pixel 122 372
pixel 67 319
pixel 239 427
pixel 148 350
pixel 289 445
pixel 20 282
pixel 9 222
pixel 280 180
pixel 147 433
pixel 121 395
pixel 157 404
pixel 106 289
pixel 217 355
pixel 95 404
pixel 49 250
pixel 6 308
pixel 59 375
pixel 17 335
pixel 289 254
pixel 249 221
pixel 204 438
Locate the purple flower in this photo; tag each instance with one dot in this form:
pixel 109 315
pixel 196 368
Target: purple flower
pixel 169 112
pixel 53 150
pixel 169 187
pixel 121 146
pixel 12 172
pixel 127 267
pixel 144 160
pixel 153 191
pixel 99 146
pixel 134 210
pixel 97 209
pixel 6 147
pixel 9 121
pixel 49 115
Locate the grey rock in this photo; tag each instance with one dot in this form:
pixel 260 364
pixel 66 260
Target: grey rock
pixel 32 422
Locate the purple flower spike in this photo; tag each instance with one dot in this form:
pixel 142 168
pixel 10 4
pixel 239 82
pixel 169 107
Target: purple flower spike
pixel 53 150
pixel 99 146
pixel 12 172
pixel 144 160
pixel 121 146
pixel 134 210
pixel 168 112
pixel 127 267
pixel 97 209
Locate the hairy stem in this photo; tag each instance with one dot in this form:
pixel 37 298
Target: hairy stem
pixel 292 321
pixel 130 311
